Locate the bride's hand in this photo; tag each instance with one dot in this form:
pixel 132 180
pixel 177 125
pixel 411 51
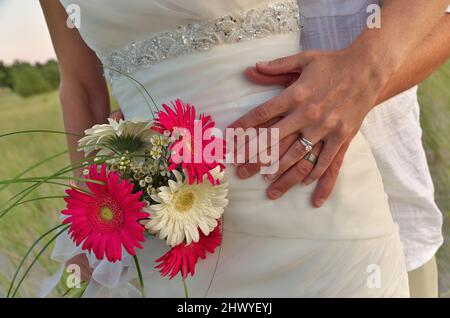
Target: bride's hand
pixel 327 98
pixel 289 176
pixel 82 262
pixel 116 115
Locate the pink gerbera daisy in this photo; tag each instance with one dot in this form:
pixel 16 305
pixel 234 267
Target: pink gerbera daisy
pixel 184 257
pixel 182 118
pixel 106 219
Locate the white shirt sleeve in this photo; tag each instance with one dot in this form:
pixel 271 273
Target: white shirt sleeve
pixel 448 9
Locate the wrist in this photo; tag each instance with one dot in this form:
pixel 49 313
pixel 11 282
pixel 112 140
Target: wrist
pixel 368 65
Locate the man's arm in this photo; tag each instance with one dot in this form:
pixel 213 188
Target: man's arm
pixel 423 61
pixel 404 26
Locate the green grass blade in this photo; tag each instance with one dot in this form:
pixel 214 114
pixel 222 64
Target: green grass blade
pixel 36 259
pixel 19 267
pixel 38 131
pixel 36 179
pixel 41 198
pixel 40 163
pixel 139 83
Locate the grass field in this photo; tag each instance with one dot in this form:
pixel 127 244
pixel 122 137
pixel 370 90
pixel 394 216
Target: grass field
pixel 23 225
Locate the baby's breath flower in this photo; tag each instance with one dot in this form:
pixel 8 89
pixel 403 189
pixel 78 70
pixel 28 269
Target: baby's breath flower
pixel 148 179
pixel 150 190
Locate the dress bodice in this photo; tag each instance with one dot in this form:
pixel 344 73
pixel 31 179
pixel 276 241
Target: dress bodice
pixel 110 24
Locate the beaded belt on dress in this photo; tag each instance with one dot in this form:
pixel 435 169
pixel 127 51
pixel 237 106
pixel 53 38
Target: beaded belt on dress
pixel 272 19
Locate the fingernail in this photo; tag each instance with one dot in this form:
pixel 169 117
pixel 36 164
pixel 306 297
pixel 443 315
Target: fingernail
pixel 307 182
pixel 243 173
pixel 274 194
pixel 319 203
pixel 270 177
pixel 263 63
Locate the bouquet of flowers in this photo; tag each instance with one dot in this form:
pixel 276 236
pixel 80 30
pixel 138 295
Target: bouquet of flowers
pixel 157 177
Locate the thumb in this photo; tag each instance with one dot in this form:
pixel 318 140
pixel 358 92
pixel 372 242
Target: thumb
pixel 116 115
pixel 289 64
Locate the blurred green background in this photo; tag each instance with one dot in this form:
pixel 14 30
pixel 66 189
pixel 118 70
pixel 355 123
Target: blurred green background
pixel 31 102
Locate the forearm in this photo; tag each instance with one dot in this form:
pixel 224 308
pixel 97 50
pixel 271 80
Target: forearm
pixel 84 94
pixel 404 25
pixel 428 56
pixel 81 109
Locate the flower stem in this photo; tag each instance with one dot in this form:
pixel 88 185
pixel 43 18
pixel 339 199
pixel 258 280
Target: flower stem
pixel 186 291
pixel 141 280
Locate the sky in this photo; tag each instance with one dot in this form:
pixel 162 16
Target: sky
pixel 23 32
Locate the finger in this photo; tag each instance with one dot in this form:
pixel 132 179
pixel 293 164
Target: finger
pixel 289 179
pixel 270 80
pixel 117 115
pixel 86 273
pixel 289 64
pixel 263 113
pixel 327 182
pixel 326 157
pixel 289 125
pixel 295 155
pixel 248 170
pixel 82 262
pixel 238 143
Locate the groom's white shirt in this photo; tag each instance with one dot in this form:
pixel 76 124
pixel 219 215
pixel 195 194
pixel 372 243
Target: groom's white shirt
pixel 392 129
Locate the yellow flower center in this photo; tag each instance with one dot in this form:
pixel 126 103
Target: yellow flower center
pixel 106 214
pixel 184 201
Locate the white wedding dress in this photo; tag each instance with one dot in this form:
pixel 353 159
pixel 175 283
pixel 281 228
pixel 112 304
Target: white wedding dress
pixel 197 50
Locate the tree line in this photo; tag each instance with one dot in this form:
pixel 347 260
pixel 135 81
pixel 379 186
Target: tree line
pixel 27 79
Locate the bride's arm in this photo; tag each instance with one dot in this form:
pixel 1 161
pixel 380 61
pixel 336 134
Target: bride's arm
pixel 83 91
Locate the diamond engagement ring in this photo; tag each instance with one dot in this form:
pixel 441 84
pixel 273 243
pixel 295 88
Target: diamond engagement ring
pixel 308 144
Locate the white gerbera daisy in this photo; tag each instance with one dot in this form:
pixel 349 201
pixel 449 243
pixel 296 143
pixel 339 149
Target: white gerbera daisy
pixel 123 135
pixel 183 209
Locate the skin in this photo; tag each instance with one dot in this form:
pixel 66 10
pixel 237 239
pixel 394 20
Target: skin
pixel 326 97
pixel 85 99
pixel 83 91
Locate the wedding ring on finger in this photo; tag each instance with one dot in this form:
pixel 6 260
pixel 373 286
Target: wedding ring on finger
pixel 308 144
pixel 312 158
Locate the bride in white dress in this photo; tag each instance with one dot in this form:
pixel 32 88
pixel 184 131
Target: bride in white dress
pixel 197 50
